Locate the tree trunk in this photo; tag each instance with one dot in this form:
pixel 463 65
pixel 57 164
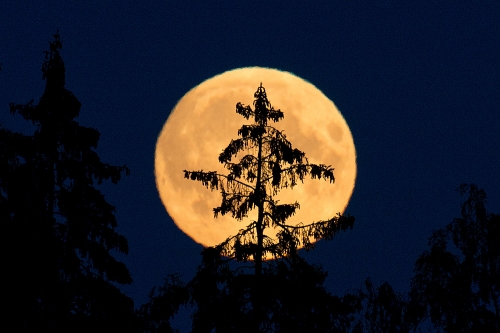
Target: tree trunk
pixel 257 302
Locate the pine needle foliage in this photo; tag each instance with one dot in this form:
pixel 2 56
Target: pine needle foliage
pixel 260 163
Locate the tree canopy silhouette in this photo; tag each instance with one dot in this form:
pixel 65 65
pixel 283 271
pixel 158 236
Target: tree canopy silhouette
pixel 458 287
pixel 61 230
pixel 293 300
pixel 268 163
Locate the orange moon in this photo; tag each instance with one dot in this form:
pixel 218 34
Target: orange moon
pixel 205 120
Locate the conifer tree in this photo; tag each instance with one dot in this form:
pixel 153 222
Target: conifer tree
pixel 268 165
pixel 61 229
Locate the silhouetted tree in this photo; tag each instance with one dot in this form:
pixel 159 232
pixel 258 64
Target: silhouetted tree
pixel 458 287
pixel 294 300
pixel 383 310
pixel 164 302
pixel 268 163
pixel 59 228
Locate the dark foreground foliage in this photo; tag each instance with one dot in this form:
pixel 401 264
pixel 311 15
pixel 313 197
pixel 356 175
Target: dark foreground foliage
pixel 457 281
pixel 59 230
pixel 292 299
pixel 455 289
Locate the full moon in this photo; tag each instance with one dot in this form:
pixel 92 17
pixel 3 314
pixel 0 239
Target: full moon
pixel 205 120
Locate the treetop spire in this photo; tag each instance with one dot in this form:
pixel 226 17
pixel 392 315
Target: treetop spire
pixel 53 68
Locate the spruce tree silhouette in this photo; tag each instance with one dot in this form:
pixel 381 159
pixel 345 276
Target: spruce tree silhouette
pixel 458 287
pixel 268 163
pixel 60 228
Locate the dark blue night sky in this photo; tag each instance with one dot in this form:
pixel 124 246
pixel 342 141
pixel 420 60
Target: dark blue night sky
pixel 419 86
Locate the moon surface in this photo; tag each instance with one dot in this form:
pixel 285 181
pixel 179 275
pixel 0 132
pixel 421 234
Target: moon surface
pixel 205 120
